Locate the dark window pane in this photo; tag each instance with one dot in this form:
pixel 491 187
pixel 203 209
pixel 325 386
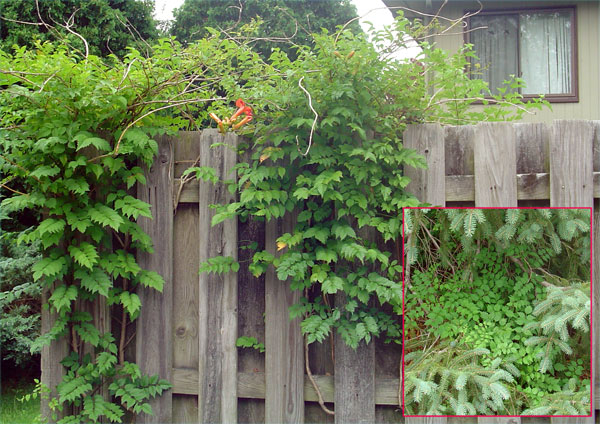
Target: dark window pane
pixel 496 47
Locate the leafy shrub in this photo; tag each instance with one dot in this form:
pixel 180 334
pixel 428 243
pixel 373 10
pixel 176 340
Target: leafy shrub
pixel 474 279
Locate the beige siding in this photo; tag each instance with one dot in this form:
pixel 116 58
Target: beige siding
pixel 588 40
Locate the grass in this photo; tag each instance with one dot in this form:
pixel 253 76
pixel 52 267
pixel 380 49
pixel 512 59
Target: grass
pixel 12 410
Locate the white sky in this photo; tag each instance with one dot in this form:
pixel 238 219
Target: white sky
pixel 373 11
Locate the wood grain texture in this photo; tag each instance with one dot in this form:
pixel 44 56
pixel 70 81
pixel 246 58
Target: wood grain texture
pixel 251 307
pixel 459 150
pixel 495 185
pixel 52 354
pixel 252 385
pixel 154 341
pixel 185 280
pixel 321 364
pixel 571 161
pixel 532 146
pixel 355 374
pixel 571 167
pixel 284 343
pixel 217 318
pixel 495 165
pixel 499 420
pixel 426 420
pixel 428 185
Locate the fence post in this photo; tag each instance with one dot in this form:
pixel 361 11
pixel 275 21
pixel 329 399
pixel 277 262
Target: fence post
pixel 217 320
pixel 154 342
pixel 284 370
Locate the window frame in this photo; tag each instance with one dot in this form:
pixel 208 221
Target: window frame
pixel 573 96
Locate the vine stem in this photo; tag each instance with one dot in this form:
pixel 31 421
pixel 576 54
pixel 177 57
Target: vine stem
pixel 123 331
pixel 312 380
pixel 312 129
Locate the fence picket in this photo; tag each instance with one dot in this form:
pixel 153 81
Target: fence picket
pixel 284 374
pixel 217 318
pixel 185 275
pixel 571 183
pixel 571 164
pixel 154 342
pixel 428 185
pixel 495 185
pixel 495 165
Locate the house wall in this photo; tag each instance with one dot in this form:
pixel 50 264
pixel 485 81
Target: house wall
pixel 588 41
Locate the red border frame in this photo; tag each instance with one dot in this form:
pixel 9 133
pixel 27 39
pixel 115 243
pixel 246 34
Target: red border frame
pixel 591 311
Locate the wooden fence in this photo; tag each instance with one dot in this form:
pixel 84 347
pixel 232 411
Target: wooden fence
pixel 187 334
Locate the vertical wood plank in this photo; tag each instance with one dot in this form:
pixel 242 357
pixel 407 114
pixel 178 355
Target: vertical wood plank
pixel 532 145
pixel 217 317
pixel 495 185
pixel 354 379
pixel 154 341
pixel 284 374
pixel 571 164
pixel 186 238
pixel 428 185
pixel 571 179
pixel 52 354
pixel 495 165
pixel 251 307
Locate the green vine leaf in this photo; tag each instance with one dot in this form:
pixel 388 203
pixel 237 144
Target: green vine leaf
pixel 99 143
pixel 151 279
pixel 62 297
pixel 52 266
pixel 95 281
pixel 85 254
pixel 105 216
pixel 131 303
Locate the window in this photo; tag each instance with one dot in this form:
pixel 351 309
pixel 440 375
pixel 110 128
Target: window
pixel 538 45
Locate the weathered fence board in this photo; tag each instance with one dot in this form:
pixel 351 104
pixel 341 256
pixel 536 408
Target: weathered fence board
pixel 428 185
pixel 495 165
pixel 52 354
pixel 217 320
pixel 571 182
pixel 284 402
pixel 532 144
pixel 185 277
pixel 251 307
pixel 154 341
pixel 355 372
pixel 571 164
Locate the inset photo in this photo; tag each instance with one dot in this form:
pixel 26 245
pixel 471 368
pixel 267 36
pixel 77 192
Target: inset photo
pixel 496 312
